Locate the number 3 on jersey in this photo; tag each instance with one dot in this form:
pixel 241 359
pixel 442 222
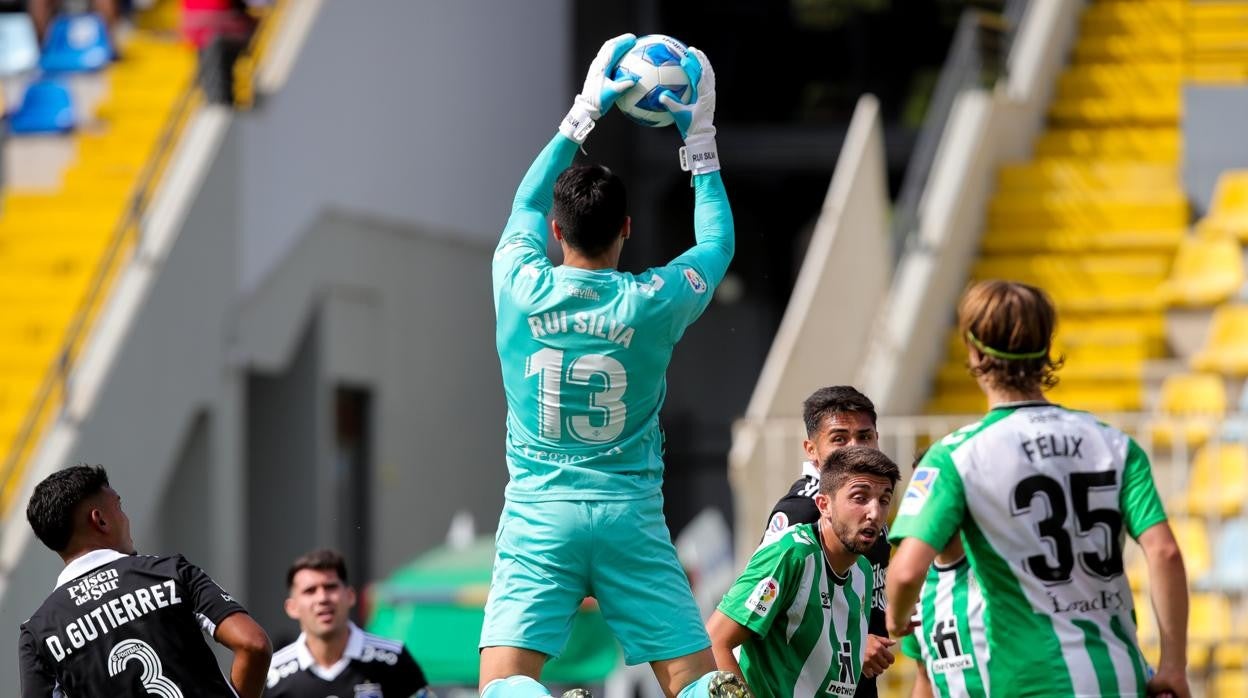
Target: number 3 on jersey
pixel 605 402
pixel 152 676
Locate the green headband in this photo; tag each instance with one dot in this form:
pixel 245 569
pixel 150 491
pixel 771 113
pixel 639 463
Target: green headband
pixel 998 354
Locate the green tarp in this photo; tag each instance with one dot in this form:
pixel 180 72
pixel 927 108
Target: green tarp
pixel 435 605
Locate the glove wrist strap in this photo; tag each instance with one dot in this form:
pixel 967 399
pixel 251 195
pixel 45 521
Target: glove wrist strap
pixel 700 155
pixel 579 122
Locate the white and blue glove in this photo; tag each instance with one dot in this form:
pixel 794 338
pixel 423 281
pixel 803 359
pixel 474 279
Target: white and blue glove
pixel 600 90
pixel 696 120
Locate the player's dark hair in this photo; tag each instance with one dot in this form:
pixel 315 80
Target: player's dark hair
pixel 855 460
pixel 56 500
pixel 1012 325
pixel 590 207
pixel 323 560
pixel 828 401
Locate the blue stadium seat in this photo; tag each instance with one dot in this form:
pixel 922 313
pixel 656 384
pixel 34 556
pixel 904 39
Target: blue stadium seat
pixel 1235 428
pixel 76 44
pixel 46 108
pixel 1230 567
pixel 19 47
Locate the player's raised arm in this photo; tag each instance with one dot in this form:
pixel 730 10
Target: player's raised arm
pixel 535 196
pixel 712 216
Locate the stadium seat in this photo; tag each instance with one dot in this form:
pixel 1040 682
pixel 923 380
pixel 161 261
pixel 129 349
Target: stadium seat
pixel 1189 407
pixel 1226 346
pixel 1209 623
pixel 19 47
pixel 76 43
pixel 1235 427
pixel 1157 144
pixel 1207 270
pixel 1230 560
pixel 47 107
pixel 1228 212
pixel 1230 683
pixel 1218 482
pixel 1079 174
pixel 1194 542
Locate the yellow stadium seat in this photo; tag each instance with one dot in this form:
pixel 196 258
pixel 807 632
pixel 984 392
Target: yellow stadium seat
pixel 1004 240
pixel 1098 211
pixel 1233 654
pixel 1228 212
pixel 1190 406
pixel 1149 108
pixel 1135 47
pixel 1226 347
pixel 1209 623
pixel 1193 540
pixel 1206 271
pixel 1076 174
pixel 1218 482
pixel 1137 144
pixel 1230 683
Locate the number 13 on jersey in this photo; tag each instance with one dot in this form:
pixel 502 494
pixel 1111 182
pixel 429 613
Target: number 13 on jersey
pixel 599 421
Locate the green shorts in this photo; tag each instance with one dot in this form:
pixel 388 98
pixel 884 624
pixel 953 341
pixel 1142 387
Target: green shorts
pixel 551 555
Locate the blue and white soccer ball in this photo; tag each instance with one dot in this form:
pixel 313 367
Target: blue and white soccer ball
pixel 655 62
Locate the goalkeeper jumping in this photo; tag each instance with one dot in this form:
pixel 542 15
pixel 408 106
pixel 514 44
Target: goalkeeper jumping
pixel 584 350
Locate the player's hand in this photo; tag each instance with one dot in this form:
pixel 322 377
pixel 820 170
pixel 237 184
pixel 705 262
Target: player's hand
pixel 696 121
pixel 1169 684
pixel 878 656
pixel 897 627
pixel 600 90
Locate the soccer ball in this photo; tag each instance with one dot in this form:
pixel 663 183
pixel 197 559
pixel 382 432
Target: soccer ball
pixel 655 62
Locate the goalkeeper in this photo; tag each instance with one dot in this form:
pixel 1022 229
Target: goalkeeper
pixel 584 351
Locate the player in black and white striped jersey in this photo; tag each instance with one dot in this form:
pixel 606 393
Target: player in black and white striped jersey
pixel 122 625
pixel 332 656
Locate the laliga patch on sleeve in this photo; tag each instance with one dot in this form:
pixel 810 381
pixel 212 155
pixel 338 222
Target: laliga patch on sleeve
pixel 916 494
pixel 696 282
pixel 764 595
pixel 779 522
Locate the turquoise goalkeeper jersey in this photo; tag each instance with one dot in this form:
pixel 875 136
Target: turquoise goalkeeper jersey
pixel 584 353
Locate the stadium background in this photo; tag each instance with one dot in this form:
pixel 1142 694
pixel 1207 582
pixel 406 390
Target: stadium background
pixel 271 319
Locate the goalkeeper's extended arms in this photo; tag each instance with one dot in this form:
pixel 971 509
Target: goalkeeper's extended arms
pixel 696 120
pixel 600 90
pixel 712 216
pixel 536 192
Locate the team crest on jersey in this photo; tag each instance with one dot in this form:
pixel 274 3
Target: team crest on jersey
pixel 368 690
pixel 695 280
pixel 764 595
pixel 916 494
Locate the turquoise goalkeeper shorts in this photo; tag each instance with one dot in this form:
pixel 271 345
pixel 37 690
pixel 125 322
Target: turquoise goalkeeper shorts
pixel 551 555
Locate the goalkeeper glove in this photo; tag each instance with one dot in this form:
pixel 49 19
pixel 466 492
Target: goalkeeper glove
pixel 696 121
pixel 600 90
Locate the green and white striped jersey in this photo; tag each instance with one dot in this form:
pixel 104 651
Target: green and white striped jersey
pixel 1043 496
pixel 951 641
pixel 809 625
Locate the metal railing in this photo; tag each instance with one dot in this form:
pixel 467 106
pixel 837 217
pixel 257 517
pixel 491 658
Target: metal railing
pixel 962 70
pixel 902 438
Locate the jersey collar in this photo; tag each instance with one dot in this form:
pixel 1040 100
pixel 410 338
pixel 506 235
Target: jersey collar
pixel 809 470
pixel 85 563
pixel 354 650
